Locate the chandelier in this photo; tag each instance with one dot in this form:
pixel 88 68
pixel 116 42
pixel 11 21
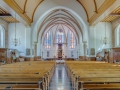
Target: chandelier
pixel 15 41
pixel 105 40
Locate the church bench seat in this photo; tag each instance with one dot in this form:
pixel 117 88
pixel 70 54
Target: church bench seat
pixel 101 86
pixel 31 72
pixel 103 80
pixel 98 75
pixel 96 71
pixel 22 75
pixel 19 80
pixel 23 72
pixel 82 73
pixel 20 86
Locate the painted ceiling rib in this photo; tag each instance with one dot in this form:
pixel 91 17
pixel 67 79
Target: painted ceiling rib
pixel 36 9
pixel 25 6
pixel 85 10
pixel 96 11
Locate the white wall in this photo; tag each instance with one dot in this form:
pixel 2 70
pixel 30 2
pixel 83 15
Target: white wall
pixel 20 33
pixel 100 32
pixel 28 37
pixel 92 38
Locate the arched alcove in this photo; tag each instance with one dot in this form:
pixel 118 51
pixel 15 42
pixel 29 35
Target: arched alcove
pixel 117 36
pixel 2 36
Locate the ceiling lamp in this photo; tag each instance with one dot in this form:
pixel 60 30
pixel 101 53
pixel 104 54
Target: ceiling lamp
pixel 105 40
pixel 15 41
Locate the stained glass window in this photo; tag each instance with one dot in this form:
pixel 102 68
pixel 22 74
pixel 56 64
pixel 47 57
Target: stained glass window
pixel 72 40
pixel 60 36
pixel 48 40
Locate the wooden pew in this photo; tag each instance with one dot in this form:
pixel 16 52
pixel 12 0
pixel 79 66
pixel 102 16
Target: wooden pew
pixel 35 74
pixel 101 86
pixel 93 75
pixel 19 87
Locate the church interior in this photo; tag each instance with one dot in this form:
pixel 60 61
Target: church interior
pixel 60 44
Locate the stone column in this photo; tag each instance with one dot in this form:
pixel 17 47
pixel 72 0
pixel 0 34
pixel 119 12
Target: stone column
pixel 35 48
pixel 113 37
pixel 28 40
pixel 85 49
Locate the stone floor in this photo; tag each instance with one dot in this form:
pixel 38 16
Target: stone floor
pixel 60 80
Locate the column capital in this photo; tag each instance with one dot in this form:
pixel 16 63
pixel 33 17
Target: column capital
pixel 84 42
pixel 27 26
pixel 35 43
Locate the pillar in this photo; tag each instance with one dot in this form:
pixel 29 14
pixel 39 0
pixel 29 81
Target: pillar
pixel 85 49
pixel 35 48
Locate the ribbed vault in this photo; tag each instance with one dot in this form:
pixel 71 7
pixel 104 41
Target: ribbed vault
pixel 63 17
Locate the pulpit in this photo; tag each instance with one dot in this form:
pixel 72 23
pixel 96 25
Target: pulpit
pixel 114 55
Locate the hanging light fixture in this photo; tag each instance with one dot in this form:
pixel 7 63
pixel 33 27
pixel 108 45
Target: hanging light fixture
pixel 105 40
pixel 15 41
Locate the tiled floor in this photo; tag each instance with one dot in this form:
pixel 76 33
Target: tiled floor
pixel 60 80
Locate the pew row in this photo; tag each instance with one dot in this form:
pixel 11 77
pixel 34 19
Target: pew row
pixel 87 75
pixel 33 75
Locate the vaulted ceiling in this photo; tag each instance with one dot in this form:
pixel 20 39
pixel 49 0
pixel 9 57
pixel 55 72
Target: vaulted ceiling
pixel 27 8
pixel 94 8
pixel 59 17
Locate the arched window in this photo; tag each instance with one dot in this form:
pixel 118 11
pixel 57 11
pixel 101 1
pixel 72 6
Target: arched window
pixel 48 40
pixel 72 40
pixel 60 36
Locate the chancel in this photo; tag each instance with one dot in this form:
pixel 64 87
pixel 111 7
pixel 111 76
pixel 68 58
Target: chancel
pixel 60 44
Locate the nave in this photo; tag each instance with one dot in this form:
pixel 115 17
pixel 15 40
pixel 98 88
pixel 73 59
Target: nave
pixel 52 75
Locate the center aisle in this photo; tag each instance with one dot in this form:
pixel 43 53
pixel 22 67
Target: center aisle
pixel 60 80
